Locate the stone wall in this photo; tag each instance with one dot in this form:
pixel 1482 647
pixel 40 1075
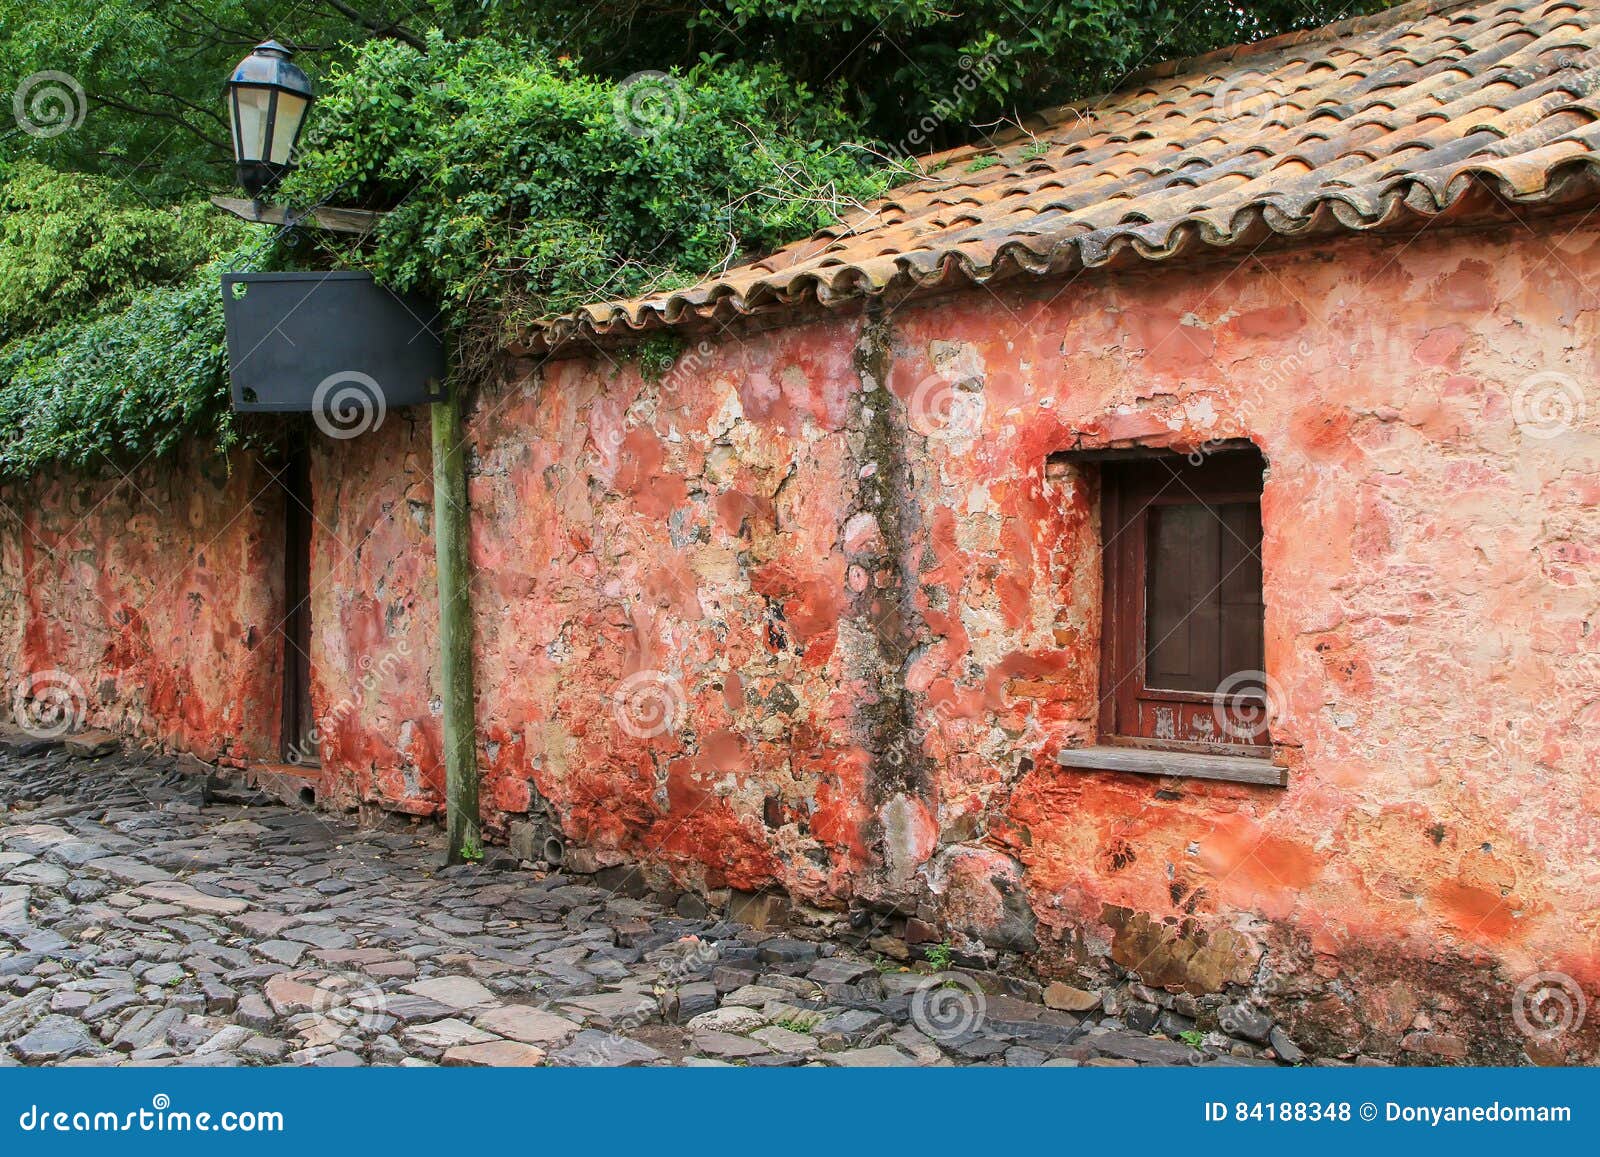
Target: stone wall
pixel 147 602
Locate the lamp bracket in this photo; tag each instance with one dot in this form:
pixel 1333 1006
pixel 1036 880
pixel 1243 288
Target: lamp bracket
pixel 333 220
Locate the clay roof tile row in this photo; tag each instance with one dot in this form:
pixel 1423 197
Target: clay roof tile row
pixel 1355 126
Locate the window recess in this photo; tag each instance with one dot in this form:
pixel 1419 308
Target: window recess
pixel 1183 689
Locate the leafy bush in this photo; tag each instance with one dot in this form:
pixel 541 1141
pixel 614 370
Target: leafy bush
pixel 69 246
pixel 516 183
pixel 978 60
pixel 111 331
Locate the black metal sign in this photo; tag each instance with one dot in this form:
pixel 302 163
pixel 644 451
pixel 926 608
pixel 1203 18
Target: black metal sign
pixel 315 341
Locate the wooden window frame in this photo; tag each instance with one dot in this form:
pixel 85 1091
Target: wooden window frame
pixel 1130 489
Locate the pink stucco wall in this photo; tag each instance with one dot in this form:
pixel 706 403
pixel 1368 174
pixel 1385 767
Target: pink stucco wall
pixel 879 616
pixel 814 610
pixel 147 602
pixel 374 645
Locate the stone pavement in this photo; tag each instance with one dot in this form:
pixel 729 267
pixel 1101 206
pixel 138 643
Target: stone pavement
pixel 146 918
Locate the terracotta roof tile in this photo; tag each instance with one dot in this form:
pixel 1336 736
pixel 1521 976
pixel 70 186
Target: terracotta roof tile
pixel 1355 126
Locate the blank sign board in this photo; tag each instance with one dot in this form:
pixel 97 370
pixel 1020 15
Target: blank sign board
pixel 301 341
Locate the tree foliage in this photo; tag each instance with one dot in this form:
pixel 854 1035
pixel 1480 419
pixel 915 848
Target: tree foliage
pixel 514 179
pixel 152 76
pixel 70 247
pixel 152 70
pixel 978 60
pixel 111 334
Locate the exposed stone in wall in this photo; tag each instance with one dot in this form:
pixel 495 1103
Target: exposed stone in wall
pixel 981 896
pixel 882 537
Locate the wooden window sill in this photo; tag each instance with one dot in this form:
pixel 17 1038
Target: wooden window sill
pixel 1231 768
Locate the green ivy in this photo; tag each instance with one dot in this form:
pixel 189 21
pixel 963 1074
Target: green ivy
pixel 657 354
pixel 111 343
pixel 111 390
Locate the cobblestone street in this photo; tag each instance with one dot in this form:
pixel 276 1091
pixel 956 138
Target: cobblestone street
pixel 148 919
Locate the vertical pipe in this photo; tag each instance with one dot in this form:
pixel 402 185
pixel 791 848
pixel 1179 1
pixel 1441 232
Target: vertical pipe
pixel 455 630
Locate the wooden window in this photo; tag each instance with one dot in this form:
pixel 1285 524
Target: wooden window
pixel 1183 647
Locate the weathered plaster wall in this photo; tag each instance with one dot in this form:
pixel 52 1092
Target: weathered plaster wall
pixel 812 610
pixel 374 646
pixel 149 601
pixel 1432 607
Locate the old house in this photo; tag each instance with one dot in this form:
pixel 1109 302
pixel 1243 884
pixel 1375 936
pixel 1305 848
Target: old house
pixel 1163 539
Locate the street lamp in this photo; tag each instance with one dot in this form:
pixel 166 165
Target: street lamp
pixel 268 96
pixel 353 325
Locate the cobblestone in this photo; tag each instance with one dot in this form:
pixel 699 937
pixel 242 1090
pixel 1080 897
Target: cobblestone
pixel 142 924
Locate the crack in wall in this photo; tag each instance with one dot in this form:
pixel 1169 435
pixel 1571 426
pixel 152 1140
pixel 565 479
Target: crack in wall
pixel 883 606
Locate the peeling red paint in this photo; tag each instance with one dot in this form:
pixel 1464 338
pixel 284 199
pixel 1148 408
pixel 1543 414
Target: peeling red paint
pixel 157 594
